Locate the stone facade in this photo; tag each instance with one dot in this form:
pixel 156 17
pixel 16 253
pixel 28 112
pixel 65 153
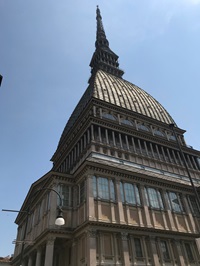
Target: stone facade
pixel 126 196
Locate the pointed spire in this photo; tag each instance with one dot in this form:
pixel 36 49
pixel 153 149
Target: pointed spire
pixel 104 58
pixel 101 36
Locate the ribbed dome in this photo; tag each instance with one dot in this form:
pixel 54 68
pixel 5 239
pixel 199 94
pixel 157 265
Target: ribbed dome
pixel 122 93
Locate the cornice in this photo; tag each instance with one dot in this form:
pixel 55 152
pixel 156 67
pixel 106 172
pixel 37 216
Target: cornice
pixel 137 175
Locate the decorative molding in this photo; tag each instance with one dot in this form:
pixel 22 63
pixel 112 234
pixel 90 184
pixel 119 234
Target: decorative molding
pixel 92 233
pixel 124 236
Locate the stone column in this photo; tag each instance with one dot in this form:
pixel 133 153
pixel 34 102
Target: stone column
pixel 53 209
pixel 154 252
pixel 188 211
pixel 38 257
pixel 49 252
pixel 146 208
pixel 169 213
pixel 125 249
pixel 90 199
pixel 127 144
pixel 74 253
pixel 91 247
pixel 99 133
pixel 119 203
pixel 180 258
pixel 92 132
pixel 30 261
pixel 23 263
pixel 146 255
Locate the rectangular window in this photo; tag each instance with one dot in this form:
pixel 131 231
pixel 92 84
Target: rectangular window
pixel 193 205
pixel 103 188
pixel 154 199
pixel 130 193
pixel 65 191
pixel 175 202
pixel 82 191
pixel 189 252
pixel 164 250
pixel 138 248
pixel 94 186
pixel 47 202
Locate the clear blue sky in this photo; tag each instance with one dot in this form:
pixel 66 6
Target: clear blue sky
pixel 45 51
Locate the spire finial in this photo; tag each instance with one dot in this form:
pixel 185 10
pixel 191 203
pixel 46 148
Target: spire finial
pixel 104 58
pixel 101 36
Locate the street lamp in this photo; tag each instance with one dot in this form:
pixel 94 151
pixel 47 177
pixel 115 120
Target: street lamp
pixel 59 219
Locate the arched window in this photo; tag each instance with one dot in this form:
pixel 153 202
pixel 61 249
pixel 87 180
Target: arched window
pixel 172 137
pixel 159 133
pixel 143 127
pixel 109 116
pixel 126 122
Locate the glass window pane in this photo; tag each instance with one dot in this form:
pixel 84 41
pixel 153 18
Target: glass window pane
pixel 112 190
pixel 82 191
pixel 164 250
pixel 175 204
pixel 108 116
pixel 153 198
pixel 146 196
pixel 64 192
pixel 122 192
pixel 137 195
pixel 103 190
pixel 129 193
pixel 189 252
pixel 138 248
pixel 94 186
pixel 160 199
pixel 193 204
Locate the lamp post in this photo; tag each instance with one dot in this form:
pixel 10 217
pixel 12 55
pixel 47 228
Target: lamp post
pixel 1 77
pixel 59 219
pixel 171 126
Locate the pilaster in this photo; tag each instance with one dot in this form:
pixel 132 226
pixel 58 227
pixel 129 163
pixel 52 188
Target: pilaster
pixel 49 252
pixel 38 257
pixel 125 249
pixel 119 203
pixel 91 247
pixel 154 251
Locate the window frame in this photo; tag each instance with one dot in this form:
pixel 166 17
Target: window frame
pixel 109 116
pixel 140 250
pixel 193 204
pixel 189 252
pixel 150 200
pixel 98 193
pixel 135 194
pixel 63 195
pixel 165 253
pixel 172 205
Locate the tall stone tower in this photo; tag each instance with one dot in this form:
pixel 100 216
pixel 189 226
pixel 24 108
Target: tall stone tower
pixel 126 195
